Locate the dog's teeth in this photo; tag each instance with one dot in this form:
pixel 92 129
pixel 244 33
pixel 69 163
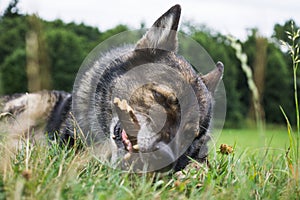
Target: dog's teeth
pixel 136 147
pixel 127 156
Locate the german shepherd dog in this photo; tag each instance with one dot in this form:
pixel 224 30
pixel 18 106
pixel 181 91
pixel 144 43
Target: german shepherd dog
pixel 119 115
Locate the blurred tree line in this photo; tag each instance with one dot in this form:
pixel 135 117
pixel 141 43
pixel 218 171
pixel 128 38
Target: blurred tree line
pixel 36 54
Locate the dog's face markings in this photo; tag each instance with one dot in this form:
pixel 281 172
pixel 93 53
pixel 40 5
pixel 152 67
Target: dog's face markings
pixel 148 103
pixel 157 109
pixel 157 106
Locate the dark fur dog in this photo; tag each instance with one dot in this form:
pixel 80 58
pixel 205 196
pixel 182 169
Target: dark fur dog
pixel 91 109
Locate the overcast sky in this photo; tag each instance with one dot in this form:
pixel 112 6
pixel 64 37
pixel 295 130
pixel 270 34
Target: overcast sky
pixel 227 16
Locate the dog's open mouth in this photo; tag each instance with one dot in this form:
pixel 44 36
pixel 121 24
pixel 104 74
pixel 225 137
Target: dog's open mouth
pixel 128 133
pixel 130 145
pixel 128 129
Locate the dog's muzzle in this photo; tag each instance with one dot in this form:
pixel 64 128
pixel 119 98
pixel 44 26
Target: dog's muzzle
pixel 143 150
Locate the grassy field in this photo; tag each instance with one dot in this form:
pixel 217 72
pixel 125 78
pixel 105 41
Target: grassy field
pixel 258 168
pixel 273 138
pixel 262 165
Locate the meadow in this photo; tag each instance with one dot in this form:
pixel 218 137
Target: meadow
pixel 273 138
pixel 257 168
pixel 257 164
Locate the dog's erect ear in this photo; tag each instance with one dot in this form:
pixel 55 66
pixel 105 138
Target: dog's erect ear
pixel 163 33
pixel 212 79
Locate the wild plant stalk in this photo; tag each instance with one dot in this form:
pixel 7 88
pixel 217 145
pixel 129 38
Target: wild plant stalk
pixel 293 50
pixel 250 80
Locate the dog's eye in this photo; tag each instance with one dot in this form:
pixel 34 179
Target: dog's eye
pixel 169 99
pixel 158 96
pixel 172 100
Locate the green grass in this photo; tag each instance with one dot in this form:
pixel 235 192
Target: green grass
pixel 251 172
pixel 274 138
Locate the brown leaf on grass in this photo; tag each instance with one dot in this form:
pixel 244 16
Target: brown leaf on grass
pixel 226 149
pixel 27 174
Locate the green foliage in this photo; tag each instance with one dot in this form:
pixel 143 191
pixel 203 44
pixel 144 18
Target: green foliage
pixel 220 51
pixel 91 35
pixel 66 47
pixel 13 31
pixel 12 54
pixel 112 32
pixel 15 66
pixel 65 54
pixel 280 30
pixel 277 74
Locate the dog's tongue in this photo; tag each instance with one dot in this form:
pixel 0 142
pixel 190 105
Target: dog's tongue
pixel 126 141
